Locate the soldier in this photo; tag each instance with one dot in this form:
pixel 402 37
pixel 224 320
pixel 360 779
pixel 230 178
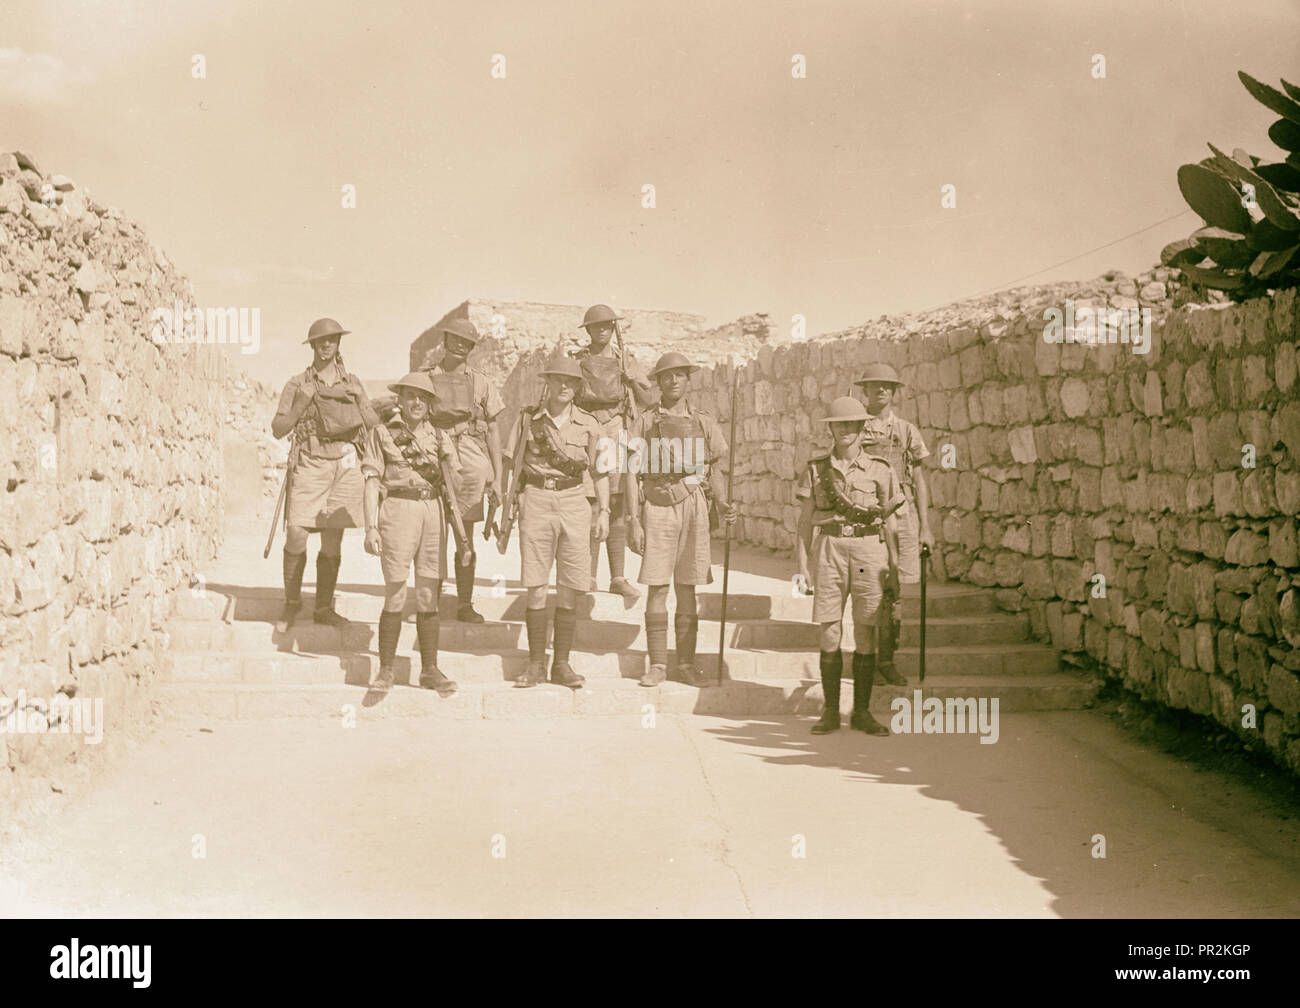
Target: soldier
pixel 413 464
pixel 557 474
pixel 846 494
pixel 328 413
pixel 468 407
pixel 676 460
pixel 889 436
pixel 612 388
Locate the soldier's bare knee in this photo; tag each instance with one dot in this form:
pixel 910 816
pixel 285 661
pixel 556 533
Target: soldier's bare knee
pixel 295 539
pixel 657 599
pixel 685 596
pixel 830 636
pixel 331 541
pixel 395 596
pixel 565 597
pixel 537 597
pixel 427 591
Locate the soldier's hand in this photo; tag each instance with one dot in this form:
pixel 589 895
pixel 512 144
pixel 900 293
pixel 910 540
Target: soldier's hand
pixel 730 513
pixel 495 496
pixel 372 541
pixel 805 584
pixel 602 526
pixel 635 537
pixel 354 387
pixel 303 396
pixel 891 581
pixel 926 538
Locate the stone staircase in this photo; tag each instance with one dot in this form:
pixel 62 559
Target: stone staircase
pixel 227 661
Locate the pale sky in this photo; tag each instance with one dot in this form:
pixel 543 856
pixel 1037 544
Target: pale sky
pixel 819 196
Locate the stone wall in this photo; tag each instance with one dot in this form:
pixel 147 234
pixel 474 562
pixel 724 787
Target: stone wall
pixel 1174 474
pixel 110 445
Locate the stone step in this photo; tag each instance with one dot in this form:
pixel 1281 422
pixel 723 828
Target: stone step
pixel 211 701
pixel 212 600
pixel 593 635
pixel 1006 661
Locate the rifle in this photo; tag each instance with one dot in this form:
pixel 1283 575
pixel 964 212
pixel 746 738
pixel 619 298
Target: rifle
pixel 281 503
pixel 510 509
pixel 629 399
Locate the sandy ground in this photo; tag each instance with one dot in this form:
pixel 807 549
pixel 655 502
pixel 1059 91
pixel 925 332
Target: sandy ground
pixel 693 816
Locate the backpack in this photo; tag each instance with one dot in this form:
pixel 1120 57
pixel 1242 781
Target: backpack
pixel 338 415
pixel 455 398
pixel 602 383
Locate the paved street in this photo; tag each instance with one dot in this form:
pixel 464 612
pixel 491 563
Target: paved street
pixel 694 816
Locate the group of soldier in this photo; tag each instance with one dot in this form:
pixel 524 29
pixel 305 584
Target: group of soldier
pixel 408 469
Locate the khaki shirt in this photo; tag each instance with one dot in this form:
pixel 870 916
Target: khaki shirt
pixel 579 438
pixel 486 398
pixel 307 428
pixel 382 459
pixel 643 457
pixel 867 482
pixel 898 442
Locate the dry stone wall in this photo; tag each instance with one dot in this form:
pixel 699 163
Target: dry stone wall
pixel 1174 475
pixel 110 446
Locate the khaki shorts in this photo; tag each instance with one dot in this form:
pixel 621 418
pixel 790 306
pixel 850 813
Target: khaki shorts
pixel 410 530
pixel 845 566
pixel 326 493
pixel 475 473
pixel 677 546
pixel 555 531
pixel 909 544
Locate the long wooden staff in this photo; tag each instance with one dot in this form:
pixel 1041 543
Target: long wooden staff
pixel 726 541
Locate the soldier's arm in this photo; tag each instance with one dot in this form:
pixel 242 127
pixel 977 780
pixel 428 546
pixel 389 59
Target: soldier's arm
pixel 633 462
pixel 493 405
pixel 720 463
pixel 599 475
pixel 372 469
pixel 291 407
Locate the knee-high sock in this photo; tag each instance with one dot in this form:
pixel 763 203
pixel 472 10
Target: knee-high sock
pixel 562 641
pixel 864 674
pixel 426 632
pixel 616 546
pixel 535 621
pixel 390 628
pixel 327 575
pixel 465 581
pixel 832 667
pixel 687 626
pixel 656 637
pixel 294 565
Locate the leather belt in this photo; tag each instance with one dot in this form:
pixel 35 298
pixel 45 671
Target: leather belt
pixel 550 482
pixel 848 530
pixel 413 493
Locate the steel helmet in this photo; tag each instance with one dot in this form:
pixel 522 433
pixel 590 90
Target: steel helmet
pixel 879 372
pixel 324 327
pixel 564 367
pixel 599 313
pixel 461 327
pixel 671 361
pixel 419 380
pixel 846 409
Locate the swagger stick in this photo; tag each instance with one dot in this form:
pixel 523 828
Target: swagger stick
pixel 726 541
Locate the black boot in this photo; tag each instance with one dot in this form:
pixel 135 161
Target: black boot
pixel 294 564
pixel 832 667
pixel 431 677
pixel 327 575
pixel 390 628
pixel 864 673
pixel 888 628
pixel 465 612
pixel 562 673
pixel 686 627
pixel 535 621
